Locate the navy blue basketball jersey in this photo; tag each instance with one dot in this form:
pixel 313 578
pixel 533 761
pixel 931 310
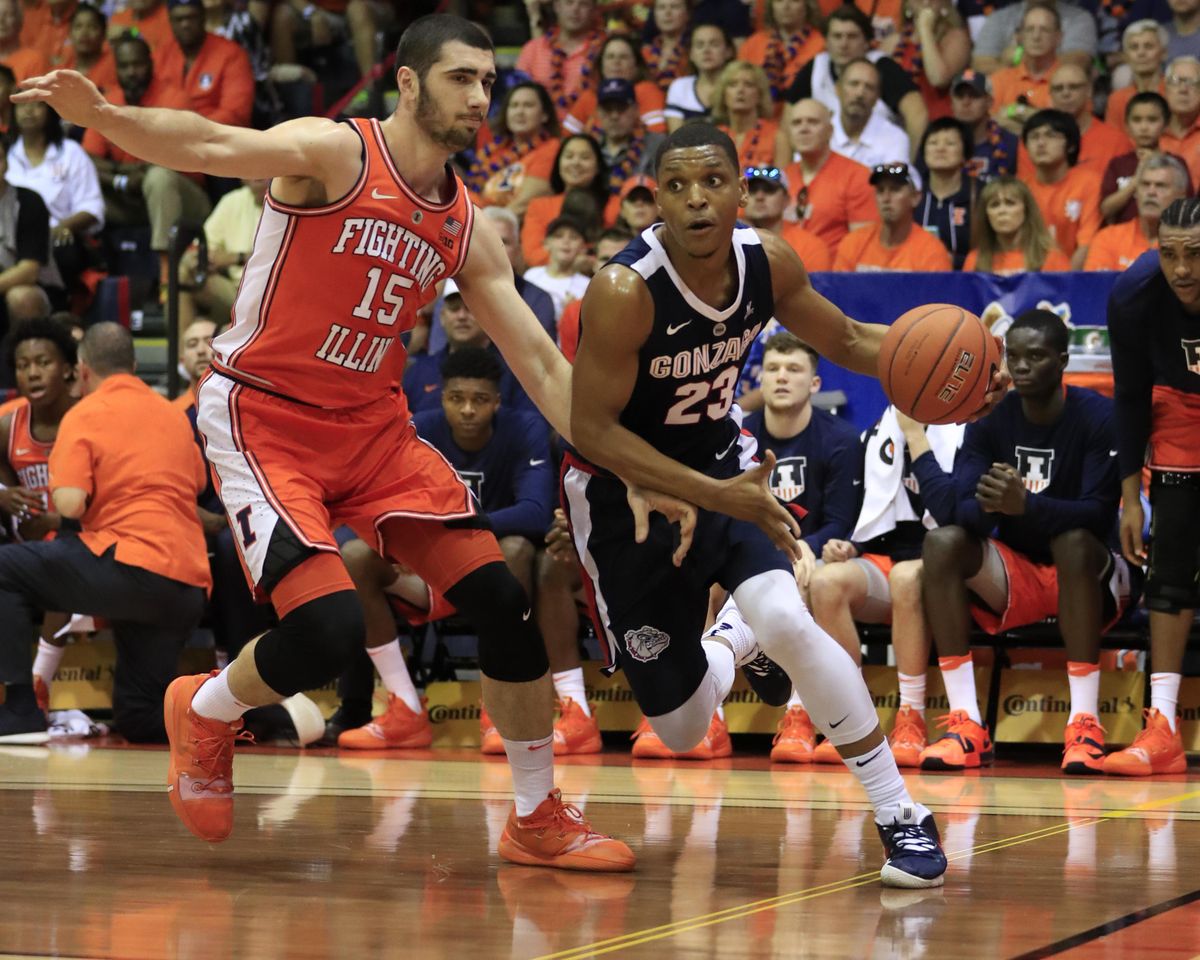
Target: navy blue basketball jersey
pixel 688 367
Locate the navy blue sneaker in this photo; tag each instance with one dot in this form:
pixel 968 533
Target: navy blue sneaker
pixel 22 727
pixel 914 850
pixel 768 680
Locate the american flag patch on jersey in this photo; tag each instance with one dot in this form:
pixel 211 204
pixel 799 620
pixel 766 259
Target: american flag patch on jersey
pixel 452 227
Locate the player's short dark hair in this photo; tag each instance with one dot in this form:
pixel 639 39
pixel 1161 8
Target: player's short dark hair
pixel 40 328
pixel 849 12
pixel 1049 324
pixel 472 363
pixel 421 44
pixel 1183 213
pixel 108 348
pixel 786 342
pixel 1058 120
pixel 697 133
pixel 1149 96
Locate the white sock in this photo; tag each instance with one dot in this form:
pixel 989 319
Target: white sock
pixel 1164 695
pixel 1084 681
pixel 958 675
pixel 569 684
pixel 734 632
pixel 720 711
pixel 877 772
pixel 216 701
pixel 393 671
pixel 912 691
pixel 720 665
pixel 532 765
pixel 45 665
pixel 794 700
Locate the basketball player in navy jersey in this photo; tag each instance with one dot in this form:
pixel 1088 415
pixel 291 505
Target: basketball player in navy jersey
pixel 1154 325
pixel 1037 489
pixel 665 327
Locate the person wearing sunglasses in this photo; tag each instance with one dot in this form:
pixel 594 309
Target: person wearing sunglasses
pixel 768 190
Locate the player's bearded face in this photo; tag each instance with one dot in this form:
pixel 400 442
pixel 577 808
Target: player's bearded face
pixel 450 129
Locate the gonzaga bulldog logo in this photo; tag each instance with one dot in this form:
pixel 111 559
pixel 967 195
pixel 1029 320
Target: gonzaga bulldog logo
pixel 646 643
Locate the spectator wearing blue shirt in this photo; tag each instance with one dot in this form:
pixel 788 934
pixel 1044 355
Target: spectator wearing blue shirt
pixel 1037 487
pixel 504 457
pixel 994 150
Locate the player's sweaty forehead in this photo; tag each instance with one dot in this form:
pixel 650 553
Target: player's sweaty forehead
pixel 1183 238
pixel 684 163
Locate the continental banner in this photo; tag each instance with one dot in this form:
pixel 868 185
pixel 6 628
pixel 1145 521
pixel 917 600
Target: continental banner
pixel 1035 706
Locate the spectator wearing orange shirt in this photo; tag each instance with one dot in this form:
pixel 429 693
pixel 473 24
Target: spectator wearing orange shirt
pixel 666 55
pixel 47 26
pixel 523 144
pixel 148 18
pixel 1068 195
pixel 1146 116
pixel 895 242
pixel 1182 135
pixel 1011 237
pixel 742 108
pixel 1144 44
pixel 1071 90
pixel 831 194
pixel 140 562
pixel 90 54
pixel 136 192
pixel 619 59
pixel 1022 90
pixel 214 72
pixel 24 61
pixel 563 59
pixel 768 189
pixel 933 46
pixel 1161 180
pixel 578 185
pixel 791 39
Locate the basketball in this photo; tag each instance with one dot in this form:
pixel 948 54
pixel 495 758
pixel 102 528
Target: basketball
pixel 936 363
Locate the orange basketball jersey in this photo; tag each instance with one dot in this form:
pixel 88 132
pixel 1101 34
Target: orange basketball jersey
pixel 29 457
pixel 328 290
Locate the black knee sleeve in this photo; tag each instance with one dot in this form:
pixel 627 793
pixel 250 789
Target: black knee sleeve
pixel 510 646
pixel 313 644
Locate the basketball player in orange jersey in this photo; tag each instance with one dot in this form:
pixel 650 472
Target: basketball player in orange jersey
pixel 42 355
pixel 306 428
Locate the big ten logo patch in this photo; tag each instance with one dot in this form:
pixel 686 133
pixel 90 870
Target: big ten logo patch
pixel 1035 467
pixel 474 480
pixel 787 479
pixel 1191 354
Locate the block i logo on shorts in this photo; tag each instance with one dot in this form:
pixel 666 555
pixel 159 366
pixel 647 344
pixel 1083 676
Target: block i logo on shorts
pixel 646 643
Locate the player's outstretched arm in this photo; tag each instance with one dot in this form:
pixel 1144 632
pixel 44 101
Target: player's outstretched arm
pixel 486 282
pixel 186 141
pixel 617 316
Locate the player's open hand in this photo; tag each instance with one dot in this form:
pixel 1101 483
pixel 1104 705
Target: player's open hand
pixel 1001 381
pixel 72 95
pixel 748 496
pixel 1133 519
pixel 643 502
pixel 838 551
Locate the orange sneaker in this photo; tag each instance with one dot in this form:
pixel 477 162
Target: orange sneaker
pixel 557 835
pixel 490 741
pixel 794 738
pixel 964 745
pixel 575 731
pixel 1083 746
pixel 1155 750
pixel 41 693
pixel 826 752
pixel 200 776
pixel 647 745
pixel 716 743
pixel 398 728
pixel 909 737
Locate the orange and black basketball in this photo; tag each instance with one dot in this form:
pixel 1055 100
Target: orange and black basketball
pixel 936 363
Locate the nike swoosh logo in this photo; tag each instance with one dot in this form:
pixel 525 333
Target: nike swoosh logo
pixel 525 616
pixel 536 463
pixel 1112 453
pixel 721 455
pixel 673 329
pixel 856 483
pixel 863 763
pixel 541 746
pixel 834 726
pixel 376 195
pixel 21 452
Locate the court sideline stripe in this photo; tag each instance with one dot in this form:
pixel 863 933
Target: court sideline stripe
pixel 1112 926
pixel 745 910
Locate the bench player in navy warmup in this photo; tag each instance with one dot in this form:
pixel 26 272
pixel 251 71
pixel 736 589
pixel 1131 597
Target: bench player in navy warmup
pixel 665 326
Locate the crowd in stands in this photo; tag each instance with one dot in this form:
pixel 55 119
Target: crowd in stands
pixel 1043 135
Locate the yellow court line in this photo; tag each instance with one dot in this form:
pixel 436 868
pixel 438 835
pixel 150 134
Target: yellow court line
pixel 664 931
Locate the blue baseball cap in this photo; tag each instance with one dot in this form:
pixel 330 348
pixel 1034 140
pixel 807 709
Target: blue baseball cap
pixel 615 90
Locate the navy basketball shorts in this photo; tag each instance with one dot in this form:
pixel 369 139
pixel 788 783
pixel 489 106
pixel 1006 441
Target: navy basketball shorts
pixel 649 613
pixel 1173 582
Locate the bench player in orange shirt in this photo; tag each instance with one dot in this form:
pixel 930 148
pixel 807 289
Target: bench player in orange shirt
pixel 306 428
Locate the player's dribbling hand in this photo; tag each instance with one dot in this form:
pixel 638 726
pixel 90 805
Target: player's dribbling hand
pixel 643 502
pixel 1001 381
pixel 838 551
pixel 72 95
pixel 1133 547
pixel 748 497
